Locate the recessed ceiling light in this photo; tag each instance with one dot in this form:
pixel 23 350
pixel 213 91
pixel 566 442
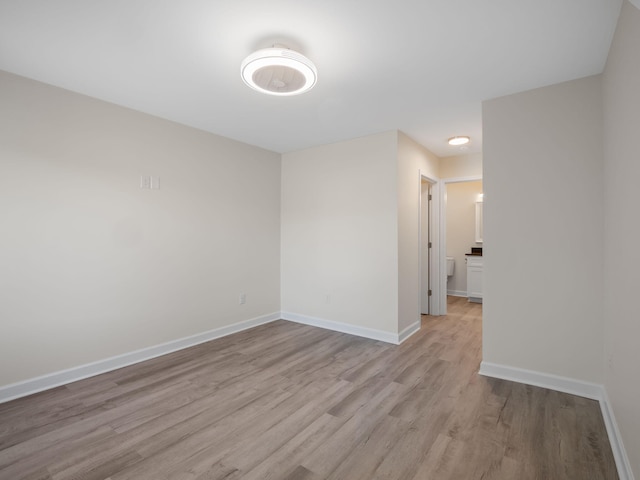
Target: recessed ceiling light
pixel 459 140
pixel 279 71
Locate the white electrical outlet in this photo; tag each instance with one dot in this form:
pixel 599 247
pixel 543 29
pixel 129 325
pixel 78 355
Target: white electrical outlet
pixel 243 298
pixel 155 183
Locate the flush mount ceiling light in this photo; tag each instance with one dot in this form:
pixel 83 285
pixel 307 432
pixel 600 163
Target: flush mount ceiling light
pixel 279 71
pixel 459 140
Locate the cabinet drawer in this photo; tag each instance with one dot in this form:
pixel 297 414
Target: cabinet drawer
pixel 474 261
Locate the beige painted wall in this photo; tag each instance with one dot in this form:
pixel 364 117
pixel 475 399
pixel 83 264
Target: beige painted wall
pixel 350 231
pixel 543 218
pixel 461 166
pixel 92 265
pixel 461 230
pixel 413 159
pixel 621 83
pixel 339 232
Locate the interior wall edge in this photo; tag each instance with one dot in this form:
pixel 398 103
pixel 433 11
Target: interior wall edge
pixel 615 438
pixel 571 386
pixel 408 331
pixel 370 333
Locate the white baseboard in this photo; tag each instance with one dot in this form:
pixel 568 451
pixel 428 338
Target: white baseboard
pixel 62 377
pixel 347 328
pixel 410 330
pixel 615 439
pixel 544 380
pixel 529 377
pixel 457 293
pixel 573 387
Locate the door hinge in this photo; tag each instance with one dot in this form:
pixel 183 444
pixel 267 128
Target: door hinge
pixel 429 197
pixel 429 293
pixel 429 244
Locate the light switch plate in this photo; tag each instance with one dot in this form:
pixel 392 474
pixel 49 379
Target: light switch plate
pixel 145 181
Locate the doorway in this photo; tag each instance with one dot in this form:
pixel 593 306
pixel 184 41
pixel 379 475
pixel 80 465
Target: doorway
pixel 462 230
pixel 429 245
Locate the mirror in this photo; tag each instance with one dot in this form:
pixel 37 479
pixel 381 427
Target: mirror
pixel 479 222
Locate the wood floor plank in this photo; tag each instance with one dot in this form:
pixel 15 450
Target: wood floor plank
pixel 366 457
pixel 440 460
pixel 358 427
pixel 301 473
pixel 285 401
pixel 290 455
pixel 248 443
pixel 21 463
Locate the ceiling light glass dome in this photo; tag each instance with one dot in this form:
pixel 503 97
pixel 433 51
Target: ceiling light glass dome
pixel 459 140
pixel 279 71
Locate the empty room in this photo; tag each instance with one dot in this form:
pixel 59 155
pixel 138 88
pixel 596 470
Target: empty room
pixel 319 240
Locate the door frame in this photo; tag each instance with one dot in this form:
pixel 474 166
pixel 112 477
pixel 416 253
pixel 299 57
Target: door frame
pixel 434 267
pixel 443 233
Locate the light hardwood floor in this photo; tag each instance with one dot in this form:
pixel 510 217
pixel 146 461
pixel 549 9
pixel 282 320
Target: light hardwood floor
pixel 292 402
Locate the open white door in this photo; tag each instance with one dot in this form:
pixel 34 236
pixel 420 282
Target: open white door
pixel 430 282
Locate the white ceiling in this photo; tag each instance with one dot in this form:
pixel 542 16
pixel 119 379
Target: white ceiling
pixel 420 66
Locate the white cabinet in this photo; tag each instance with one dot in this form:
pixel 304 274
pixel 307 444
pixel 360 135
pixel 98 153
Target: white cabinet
pixel 474 278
